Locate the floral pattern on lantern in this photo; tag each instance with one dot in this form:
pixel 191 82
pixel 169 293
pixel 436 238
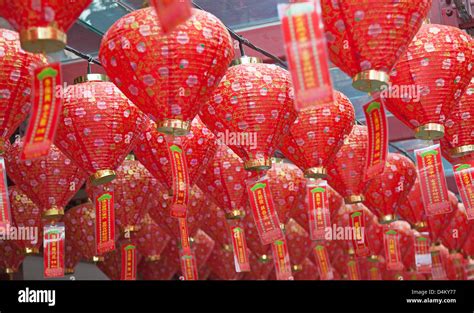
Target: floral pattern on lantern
pixel 387 191
pixel 365 39
pixel 299 244
pixel 317 135
pixel 42 24
pixel 15 83
pixel 438 63
pixel 346 173
pixel 457 231
pixel 151 239
pixel 50 181
pixel 250 111
pixel 168 76
pixel 11 257
pixel 98 127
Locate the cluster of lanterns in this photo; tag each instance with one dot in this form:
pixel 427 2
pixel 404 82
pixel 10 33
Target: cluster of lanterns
pixel 177 151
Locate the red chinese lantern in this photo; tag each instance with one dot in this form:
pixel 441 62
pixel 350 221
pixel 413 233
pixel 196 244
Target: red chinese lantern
pixel 468 247
pixel 203 246
pixel 435 71
pixel 15 83
pixel 163 269
pixel 221 263
pixel 365 39
pixel 112 263
pixel 224 181
pixel 459 125
pixel 250 111
pixel 412 209
pixel 346 173
pixel 299 245
pixel 133 188
pixel 98 127
pixel 217 226
pixel 151 239
pixel 50 182
pixel 387 191
pixel 168 76
pixel 457 231
pixel 447 149
pixel 438 223
pixel 11 257
pixel 42 24
pixel 152 151
pixel 80 235
pixel 197 209
pixel 317 135
pixel 26 214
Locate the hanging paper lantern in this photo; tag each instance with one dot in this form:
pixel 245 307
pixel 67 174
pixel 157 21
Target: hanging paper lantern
pixel 16 67
pixel 387 191
pixel 151 239
pixel 224 181
pixel 80 234
pixel 447 149
pixel 26 214
pixel 346 173
pixel 50 182
pixel 437 67
pixel 42 24
pixel 317 135
pixel 71 257
pixel 365 39
pixel 152 151
pixel 98 127
pixel 168 76
pixel 457 231
pixel 221 263
pixel 438 223
pixel 299 244
pixel 250 111
pixel 11 257
pixel 165 268
pixel 133 188
pixel 412 209
pixel 460 123
pixel 197 209
pixel 217 226
pixel 203 246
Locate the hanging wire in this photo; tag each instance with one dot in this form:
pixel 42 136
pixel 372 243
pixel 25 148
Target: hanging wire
pixel 84 56
pixel 241 48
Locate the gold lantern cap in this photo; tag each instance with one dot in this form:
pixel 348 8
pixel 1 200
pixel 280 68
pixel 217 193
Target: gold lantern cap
pixel 91 78
pixel 102 177
pixel 246 60
pixel 54 213
pixel 316 172
pixel 370 80
pixel 174 127
pixel 43 39
pixel 354 199
pixel 430 131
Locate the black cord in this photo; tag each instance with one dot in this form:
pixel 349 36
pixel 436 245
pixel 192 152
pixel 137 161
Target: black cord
pixel 84 56
pixel 241 48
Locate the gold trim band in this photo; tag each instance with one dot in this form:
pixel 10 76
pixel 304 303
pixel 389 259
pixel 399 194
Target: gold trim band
pixel 54 212
pixel 354 199
pixel 31 251
pixel 91 78
pixel 420 225
pixel 315 172
pixel 97 258
pixel 102 177
pixel 462 151
pixel 430 131
pixel 153 258
pixel 297 268
pixel 68 271
pixel 235 215
pixel 174 127
pixel 264 258
pixel 370 80
pixel 9 270
pixel 387 219
pixel 261 164
pixel 43 39
pixel 246 60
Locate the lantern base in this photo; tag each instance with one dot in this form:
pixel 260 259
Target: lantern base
pixel 91 78
pixel 227 248
pixel 246 60
pixel 420 225
pixel 235 215
pixel 370 81
pixel 9 270
pixel 131 229
pixel 153 258
pixel 354 199
pixel 54 213
pixel 31 251
pixel 263 258
pixel 373 258
pixel 68 271
pixel 387 219
pixel 97 258
pixel 430 131
pixel 102 177
pixel 43 39
pixel 315 172
pixel 261 164
pixel 297 268
pixel 458 152
pixel 174 127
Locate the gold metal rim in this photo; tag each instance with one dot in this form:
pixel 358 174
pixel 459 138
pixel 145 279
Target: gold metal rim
pixel 420 225
pixel 68 271
pixel 316 172
pixel 131 229
pixel 297 268
pixel 430 131
pixel 31 251
pixel 174 127
pixel 354 199
pixel 351 251
pixel 235 214
pixel 9 270
pixel 97 258
pixel 227 248
pixel 246 60
pixel 54 212
pixel 370 80
pixel 264 258
pixel 43 39
pixel 91 78
pixel 462 151
pixel 261 164
pixel 153 258
pixel 373 258
pixel 386 219
pixel 102 177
